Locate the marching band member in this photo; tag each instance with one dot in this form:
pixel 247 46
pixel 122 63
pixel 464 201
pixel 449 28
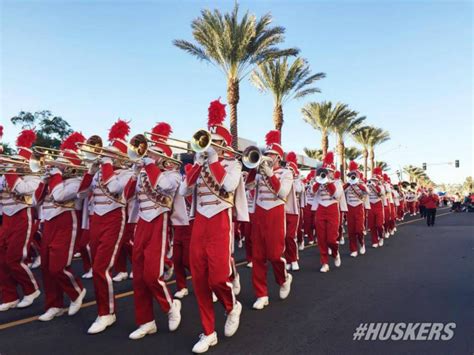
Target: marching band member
pixel 126 249
pixel 247 226
pixel 155 183
pixel 181 242
pixel 388 207
pixel 292 209
pixel 17 230
pixel 274 185
pixel 410 198
pixel 308 213
pixel 401 199
pixel 61 210
pixel 357 201
pixel 326 203
pixel 215 181
pixel 107 224
pixel 302 200
pixel 376 211
pixel 342 208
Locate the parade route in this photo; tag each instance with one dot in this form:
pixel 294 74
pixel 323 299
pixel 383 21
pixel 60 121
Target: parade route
pixel 420 275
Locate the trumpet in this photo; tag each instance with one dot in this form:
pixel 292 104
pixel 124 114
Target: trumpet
pixel 322 176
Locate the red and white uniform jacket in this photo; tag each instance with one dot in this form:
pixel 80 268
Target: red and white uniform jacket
pixel 57 196
pixel 342 197
pixel 388 193
pixel 295 198
pixel 376 193
pixel 107 188
pixel 326 195
pixel 17 192
pixel 309 195
pixel 274 191
pixel 215 187
pixel 396 197
pixel 357 195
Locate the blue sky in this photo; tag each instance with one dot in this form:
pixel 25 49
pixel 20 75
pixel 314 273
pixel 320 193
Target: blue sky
pixel 405 65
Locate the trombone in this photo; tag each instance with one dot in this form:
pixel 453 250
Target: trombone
pixel 139 147
pixel 9 160
pixel 93 149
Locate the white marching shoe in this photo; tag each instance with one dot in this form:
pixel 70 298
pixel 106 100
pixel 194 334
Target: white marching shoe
pixel 77 255
pixel 375 246
pixel 88 274
pixel 214 298
pixel 181 293
pixel 362 250
pixel 342 241
pixel 249 265
pixel 286 287
pixel 121 276
pixel 6 306
pixel 295 266
pixel 381 242
pixel 51 313
pixel 144 329
pixel 236 284
pixel 130 276
pixel 174 315
pixel 288 267
pixel 75 306
pixel 204 343
pixel 261 302
pixel 324 268
pixel 387 235
pixel 329 251
pixel 37 263
pixel 240 244
pixel 337 260
pixel 354 254
pixel 28 300
pixel 233 320
pixel 311 242
pixel 101 323
pixel 301 246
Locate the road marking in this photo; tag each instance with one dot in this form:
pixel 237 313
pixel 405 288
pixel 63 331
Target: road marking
pixel 130 293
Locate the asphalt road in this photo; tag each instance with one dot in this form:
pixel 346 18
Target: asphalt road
pixel 420 275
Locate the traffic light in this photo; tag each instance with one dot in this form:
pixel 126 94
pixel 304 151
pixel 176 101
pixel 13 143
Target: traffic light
pixel 424 166
pixel 456 163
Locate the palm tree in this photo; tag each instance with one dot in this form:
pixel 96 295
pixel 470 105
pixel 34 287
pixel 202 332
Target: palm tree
pixel 322 117
pixel 352 153
pixel 314 153
pixel 235 46
pixel 285 81
pixel 346 122
pixel 363 137
pixel 378 137
pixel 383 165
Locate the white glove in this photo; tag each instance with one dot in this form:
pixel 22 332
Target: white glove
pixel 106 160
pixel 137 167
pixel 147 161
pixel 54 171
pixel 212 155
pixel 200 158
pixel 267 170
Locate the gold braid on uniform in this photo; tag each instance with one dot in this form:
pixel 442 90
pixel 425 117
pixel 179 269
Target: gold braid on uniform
pixel 214 186
pixel 157 197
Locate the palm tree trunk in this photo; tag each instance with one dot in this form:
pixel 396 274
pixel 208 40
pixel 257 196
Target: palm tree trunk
pixel 366 156
pixel 278 117
pixel 372 158
pixel 324 142
pixel 233 99
pixel 340 150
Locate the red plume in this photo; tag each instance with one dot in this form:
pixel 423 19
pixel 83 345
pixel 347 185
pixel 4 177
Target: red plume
pixel 163 129
pixel 353 166
pixel 119 130
pixel 311 174
pixel 329 158
pixel 1 131
pixel 26 138
pixel 273 137
pixel 216 113
pixel 70 142
pixel 291 157
pixel 377 171
pixel 337 174
pixel 187 168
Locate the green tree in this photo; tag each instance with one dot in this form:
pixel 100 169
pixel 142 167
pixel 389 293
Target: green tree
pixel 314 153
pixel 383 165
pixel 50 130
pixel 352 153
pixel 235 46
pixel 346 122
pixel 285 81
pixel 378 136
pixel 322 117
